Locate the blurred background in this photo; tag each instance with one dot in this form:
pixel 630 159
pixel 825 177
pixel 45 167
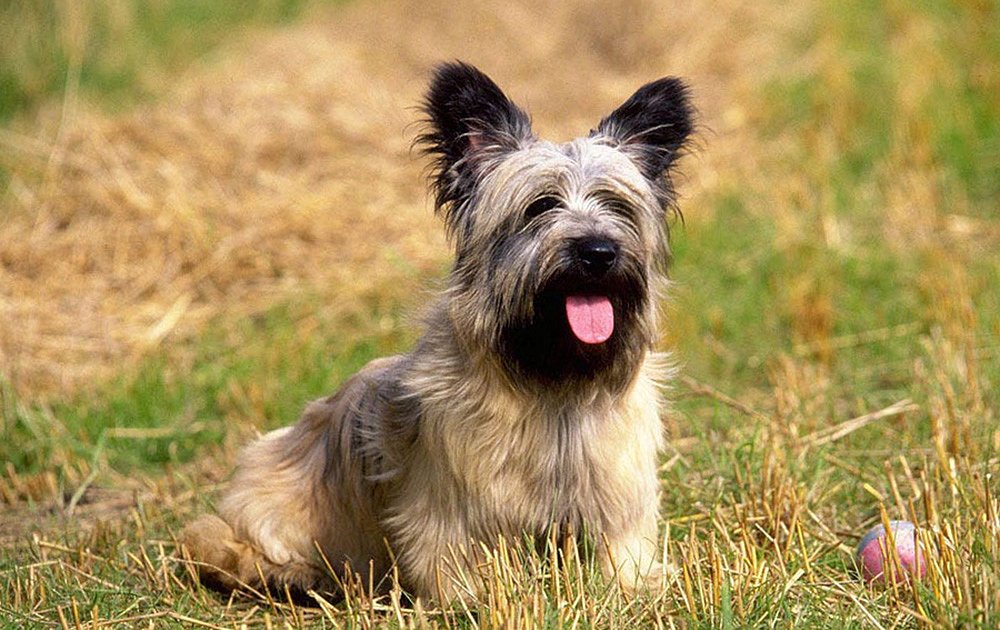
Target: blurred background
pixel 210 213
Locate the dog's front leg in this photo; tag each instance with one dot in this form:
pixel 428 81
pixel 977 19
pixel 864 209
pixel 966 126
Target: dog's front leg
pixel 630 555
pixel 432 543
pixel 443 570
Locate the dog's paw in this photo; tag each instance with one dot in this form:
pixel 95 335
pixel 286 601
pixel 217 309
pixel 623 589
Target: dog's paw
pixel 656 579
pixel 210 544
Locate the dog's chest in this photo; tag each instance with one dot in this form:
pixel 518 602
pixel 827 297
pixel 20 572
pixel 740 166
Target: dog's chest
pixel 501 461
pixel 548 469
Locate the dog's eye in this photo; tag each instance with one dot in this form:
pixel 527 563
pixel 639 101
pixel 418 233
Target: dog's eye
pixel 540 205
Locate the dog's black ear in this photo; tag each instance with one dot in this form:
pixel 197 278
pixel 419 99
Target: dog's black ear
pixel 470 121
pixel 653 125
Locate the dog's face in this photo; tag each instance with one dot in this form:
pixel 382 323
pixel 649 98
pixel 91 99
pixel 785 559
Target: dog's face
pixel 558 246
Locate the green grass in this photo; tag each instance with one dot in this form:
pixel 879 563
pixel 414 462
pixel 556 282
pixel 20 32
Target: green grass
pixel 256 375
pixel 806 324
pixel 754 285
pixel 116 52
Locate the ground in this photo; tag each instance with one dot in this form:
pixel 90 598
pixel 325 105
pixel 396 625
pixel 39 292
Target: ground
pixel 192 252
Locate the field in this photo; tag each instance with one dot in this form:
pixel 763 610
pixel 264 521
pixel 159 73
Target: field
pixel 210 216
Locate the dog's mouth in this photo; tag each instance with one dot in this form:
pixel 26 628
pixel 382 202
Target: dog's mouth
pixel 590 317
pixel 579 328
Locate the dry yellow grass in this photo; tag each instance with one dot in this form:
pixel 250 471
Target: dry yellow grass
pixel 287 168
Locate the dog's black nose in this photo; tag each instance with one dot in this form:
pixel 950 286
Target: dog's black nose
pixel 597 255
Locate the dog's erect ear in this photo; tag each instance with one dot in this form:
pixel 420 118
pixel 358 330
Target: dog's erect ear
pixel 653 125
pixel 470 121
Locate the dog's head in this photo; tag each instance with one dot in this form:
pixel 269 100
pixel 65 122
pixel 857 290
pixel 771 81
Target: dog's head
pixel 558 246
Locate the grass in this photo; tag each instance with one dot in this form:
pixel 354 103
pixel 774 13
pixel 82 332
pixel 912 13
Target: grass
pixel 116 52
pixel 838 324
pixel 170 411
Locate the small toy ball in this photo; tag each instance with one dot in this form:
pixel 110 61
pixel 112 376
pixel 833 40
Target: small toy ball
pixel 870 555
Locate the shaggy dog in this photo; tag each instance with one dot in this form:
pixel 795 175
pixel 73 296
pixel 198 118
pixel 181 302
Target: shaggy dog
pixel 529 407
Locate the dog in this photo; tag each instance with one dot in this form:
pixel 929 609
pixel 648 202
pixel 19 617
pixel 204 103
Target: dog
pixel 531 403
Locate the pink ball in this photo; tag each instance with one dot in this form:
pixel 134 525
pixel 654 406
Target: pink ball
pixel 870 558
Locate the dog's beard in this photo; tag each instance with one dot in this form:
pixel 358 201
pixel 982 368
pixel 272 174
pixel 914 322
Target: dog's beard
pixel 580 329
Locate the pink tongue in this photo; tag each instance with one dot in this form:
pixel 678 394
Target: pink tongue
pixel 591 317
